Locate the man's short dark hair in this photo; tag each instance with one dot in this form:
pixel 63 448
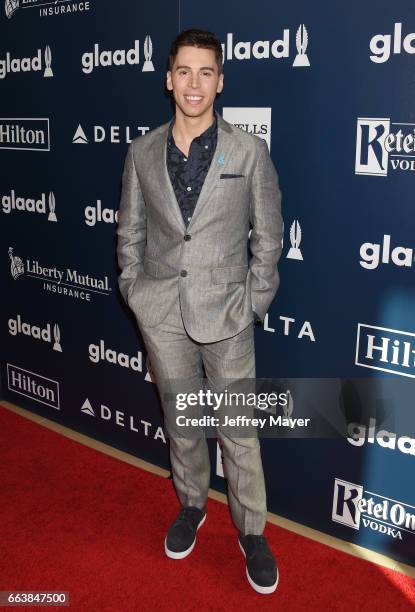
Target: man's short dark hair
pixel 197 38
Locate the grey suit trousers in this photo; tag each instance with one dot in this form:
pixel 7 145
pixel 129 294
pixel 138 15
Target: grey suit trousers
pixel 175 355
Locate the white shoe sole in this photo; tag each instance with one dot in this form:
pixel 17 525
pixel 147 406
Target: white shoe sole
pixel 258 588
pixel 181 555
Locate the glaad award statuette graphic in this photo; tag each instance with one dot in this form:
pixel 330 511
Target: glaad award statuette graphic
pixel 57 337
pixel 16 267
pixel 48 61
pixel 301 41
pixel 52 214
pixel 148 52
pixel 295 239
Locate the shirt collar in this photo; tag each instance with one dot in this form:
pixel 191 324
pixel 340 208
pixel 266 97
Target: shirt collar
pixel 203 139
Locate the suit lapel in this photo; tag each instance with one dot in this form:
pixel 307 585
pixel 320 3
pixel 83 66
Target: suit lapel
pixel 160 166
pixel 219 162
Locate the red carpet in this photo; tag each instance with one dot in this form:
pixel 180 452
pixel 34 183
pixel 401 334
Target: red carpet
pixel 74 519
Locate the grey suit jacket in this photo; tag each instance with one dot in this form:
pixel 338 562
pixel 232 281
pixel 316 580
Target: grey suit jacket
pixel 209 272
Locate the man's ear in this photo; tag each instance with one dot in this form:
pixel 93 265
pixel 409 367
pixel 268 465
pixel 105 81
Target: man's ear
pixel 220 84
pixel 169 84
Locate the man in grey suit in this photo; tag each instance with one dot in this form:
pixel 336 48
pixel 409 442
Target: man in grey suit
pixel 190 191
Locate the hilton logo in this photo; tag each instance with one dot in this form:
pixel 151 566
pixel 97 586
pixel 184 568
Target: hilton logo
pixel 354 507
pixel 388 350
pixel 27 64
pixel 381 144
pixel 24 134
pixel 252 120
pixel 34 386
pixel 119 57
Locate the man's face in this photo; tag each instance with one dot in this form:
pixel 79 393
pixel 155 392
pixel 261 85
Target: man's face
pixel 194 80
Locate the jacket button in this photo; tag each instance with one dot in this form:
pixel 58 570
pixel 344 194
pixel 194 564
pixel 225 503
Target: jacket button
pixel 187 237
pixel 183 273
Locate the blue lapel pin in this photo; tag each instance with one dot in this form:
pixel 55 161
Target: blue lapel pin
pixel 221 160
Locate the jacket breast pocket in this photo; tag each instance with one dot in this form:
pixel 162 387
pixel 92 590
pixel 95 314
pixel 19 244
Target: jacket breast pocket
pixel 233 274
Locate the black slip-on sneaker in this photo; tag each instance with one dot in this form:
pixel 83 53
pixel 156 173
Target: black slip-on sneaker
pixel 181 536
pixel 261 568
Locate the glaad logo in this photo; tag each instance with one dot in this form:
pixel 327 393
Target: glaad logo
pixel 295 239
pixel 34 386
pixel 252 120
pixel 32 136
pixel 264 49
pixel 60 7
pixel 376 142
pixel 119 57
pixel 387 350
pixel 99 353
pixel 122 420
pixel 27 64
pixel 354 507
pixel 371 254
pixel 381 44
pixel 95 214
pixel 17 326
pixel 360 434
pixel 100 134
pixel 11 203
pixel 68 282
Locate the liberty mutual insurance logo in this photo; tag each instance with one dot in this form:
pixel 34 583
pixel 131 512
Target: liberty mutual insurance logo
pixel 69 281
pixel 27 64
pixel 45 8
pixel 120 57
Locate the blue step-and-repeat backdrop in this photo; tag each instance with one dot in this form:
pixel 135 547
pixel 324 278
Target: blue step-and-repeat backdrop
pixel 330 86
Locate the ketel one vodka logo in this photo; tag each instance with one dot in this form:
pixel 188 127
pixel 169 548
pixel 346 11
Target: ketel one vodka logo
pixel 266 49
pixel 295 239
pixel 382 145
pixel 120 57
pixel 11 203
pixel 356 508
pixel 17 326
pixel 27 64
pixel 384 349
